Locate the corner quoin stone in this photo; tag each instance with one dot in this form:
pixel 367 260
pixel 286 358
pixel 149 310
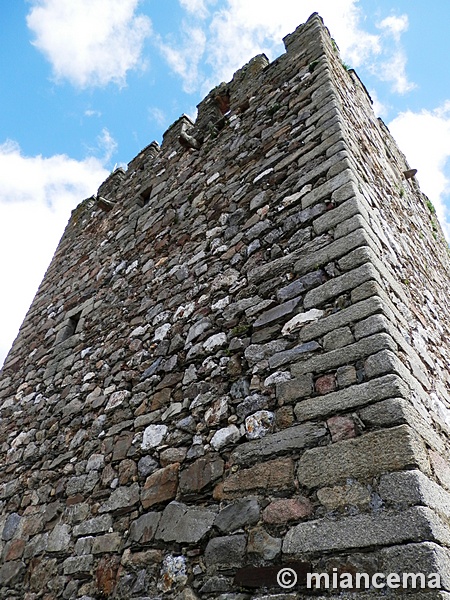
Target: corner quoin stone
pixel 371 454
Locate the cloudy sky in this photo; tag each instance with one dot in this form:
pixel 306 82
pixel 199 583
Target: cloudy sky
pixel 86 84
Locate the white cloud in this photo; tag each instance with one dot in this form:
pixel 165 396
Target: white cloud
pixel 92 113
pixel 395 25
pixel 37 195
pixel 184 60
pixel 380 109
pixel 392 68
pixel 424 137
pixel 197 7
pixel 157 115
pixel 240 29
pixel 89 42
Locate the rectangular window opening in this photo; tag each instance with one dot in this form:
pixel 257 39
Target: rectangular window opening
pixel 73 324
pixel 144 197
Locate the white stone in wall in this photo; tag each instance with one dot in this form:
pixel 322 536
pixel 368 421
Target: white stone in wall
pixel 215 341
pixel 301 319
pixel 153 436
pixel 226 435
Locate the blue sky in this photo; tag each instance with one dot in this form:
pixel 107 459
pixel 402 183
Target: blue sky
pixel 86 84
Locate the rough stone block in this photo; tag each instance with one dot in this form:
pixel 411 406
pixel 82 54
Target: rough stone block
pixel 341 318
pixel 338 285
pixel 270 475
pixel 182 524
pixel 200 474
pixel 363 457
pixel 110 542
pixel 237 515
pixel 396 411
pixel 338 339
pixel 344 496
pixel 122 500
pixel 362 531
pixel 263 544
pixel 273 315
pixel 59 539
pixel 289 440
pixel 295 389
pixel 143 529
pixel 78 564
pixel 95 525
pixel 426 557
pixel 351 397
pixel 300 285
pixel 160 486
pixel 227 552
pixel 287 356
pixel 332 251
pixel 413 487
pixel 343 356
pixel 10 572
pixel 343 181
pixel 325 384
pixel 282 511
pixel 330 219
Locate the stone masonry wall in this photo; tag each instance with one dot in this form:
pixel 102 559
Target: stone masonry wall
pixel 237 357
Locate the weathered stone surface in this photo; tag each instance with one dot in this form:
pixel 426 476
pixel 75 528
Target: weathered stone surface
pixel 11 523
pixel 78 564
pixel 340 496
pixel 426 558
pixel 259 424
pixel 353 206
pixel 325 384
pixel 263 544
pixel 143 529
pixel 183 524
pixel 278 312
pixel 237 515
pixel 352 397
pixel 288 356
pixel 300 285
pixel 95 525
pixel 289 440
pixel 225 436
pixel 339 285
pixel 341 318
pixel 270 475
pixel 200 474
pixel 153 436
pixel 160 486
pixel 59 539
pixel 362 531
pixel 295 389
pixel 225 552
pixel 341 428
pixel 371 454
pixel 342 356
pixel 110 542
pixel 11 571
pixel 121 499
pixel 284 511
pixel 413 487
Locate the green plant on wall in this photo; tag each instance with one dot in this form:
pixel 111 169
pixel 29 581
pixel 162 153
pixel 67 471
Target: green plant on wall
pixel 430 206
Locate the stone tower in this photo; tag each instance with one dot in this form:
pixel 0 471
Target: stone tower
pixel 237 360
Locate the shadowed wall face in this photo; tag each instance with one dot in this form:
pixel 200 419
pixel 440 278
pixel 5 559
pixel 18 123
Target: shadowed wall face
pixel 238 357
